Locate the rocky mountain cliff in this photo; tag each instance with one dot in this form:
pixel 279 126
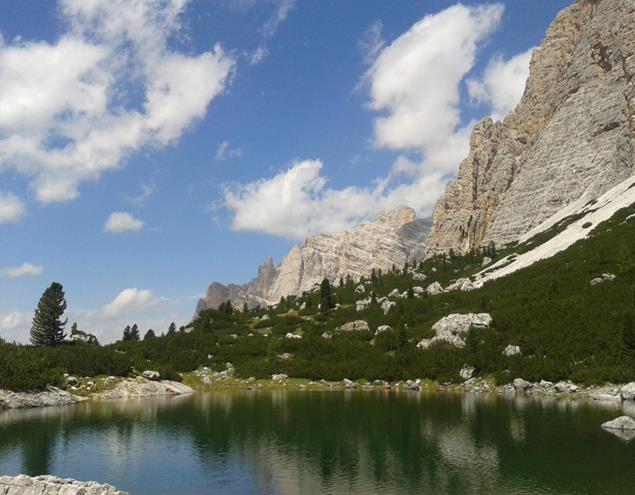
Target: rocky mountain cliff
pixel 393 239
pixel 571 138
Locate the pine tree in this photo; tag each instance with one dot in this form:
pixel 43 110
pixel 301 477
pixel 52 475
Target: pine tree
pixel 172 329
pixel 326 299
pixel 228 308
pixel 126 334
pixel 48 328
pixel 134 333
pixel 149 335
pixel 245 309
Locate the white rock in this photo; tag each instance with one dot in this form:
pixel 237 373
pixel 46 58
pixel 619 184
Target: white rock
pixel 511 350
pixel 355 326
pixel 349 384
pixel 327 335
pixel 466 372
pixel 621 423
pixel 462 323
pixel 419 276
pixel 387 305
pixel 520 384
pixel 151 375
pixel 434 289
pixel 486 261
pixel 292 336
pixel 362 304
pixel 383 328
pixel 606 277
pixel 360 289
pixel 51 485
pixel 280 377
pixel 418 290
pixel 606 397
pixel 628 391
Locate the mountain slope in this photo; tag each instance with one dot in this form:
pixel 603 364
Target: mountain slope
pixel 571 136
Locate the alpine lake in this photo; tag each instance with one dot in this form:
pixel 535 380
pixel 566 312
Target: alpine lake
pixel 348 442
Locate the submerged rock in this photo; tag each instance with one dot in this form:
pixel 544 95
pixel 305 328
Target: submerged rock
pixel 51 485
pixel 628 391
pixel 621 423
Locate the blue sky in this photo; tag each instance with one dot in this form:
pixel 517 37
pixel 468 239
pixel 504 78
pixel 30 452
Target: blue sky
pixel 149 147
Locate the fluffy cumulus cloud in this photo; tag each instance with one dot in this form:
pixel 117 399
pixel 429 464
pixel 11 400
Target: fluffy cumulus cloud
pixel 107 87
pixel 11 208
pixel 23 270
pixel 119 222
pixel 297 202
pixel 128 301
pixel 503 83
pixel 414 85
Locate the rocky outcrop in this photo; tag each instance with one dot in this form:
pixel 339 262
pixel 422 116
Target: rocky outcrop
pixel 50 485
pixel 140 387
pixel 452 328
pixel 571 138
pixel 396 237
pixel 51 397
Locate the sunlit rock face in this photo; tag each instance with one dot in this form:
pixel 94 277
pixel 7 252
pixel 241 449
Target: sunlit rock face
pixel 571 136
pixel 396 237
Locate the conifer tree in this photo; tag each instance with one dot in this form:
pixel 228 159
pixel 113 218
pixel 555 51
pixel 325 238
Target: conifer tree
pixel 172 329
pixel 149 335
pixel 629 331
pixel 48 328
pixel 126 334
pixel 134 333
pixel 326 299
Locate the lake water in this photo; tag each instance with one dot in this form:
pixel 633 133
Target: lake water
pixel 326 443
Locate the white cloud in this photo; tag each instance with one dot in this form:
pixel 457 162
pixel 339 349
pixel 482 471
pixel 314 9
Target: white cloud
pixel 69 110
pixel 269 28
pixel 11 208
pixel 130 300
pixel 25 269
pixel 225 151
pixel 416 79
pixel 503 83
pixel 119 222
pixel 297 202
pixel 372 41
pixel 13 320
pixel 147 191
pixel 415 82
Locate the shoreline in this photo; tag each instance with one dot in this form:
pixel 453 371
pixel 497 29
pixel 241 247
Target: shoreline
pixel 139 388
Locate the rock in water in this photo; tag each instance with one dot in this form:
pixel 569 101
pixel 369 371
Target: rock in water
pixel 571 138
pixel 51 397
pixel 396 237
pixel 50 485
pixel 621 423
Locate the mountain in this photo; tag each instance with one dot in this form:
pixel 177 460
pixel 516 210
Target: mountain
pixel 571 138
pixel 395 238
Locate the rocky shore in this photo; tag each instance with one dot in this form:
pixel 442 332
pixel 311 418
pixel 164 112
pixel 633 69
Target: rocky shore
pixel 132 388
pixel 50 485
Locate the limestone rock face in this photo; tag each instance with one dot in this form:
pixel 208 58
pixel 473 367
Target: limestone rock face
pixel 396 237
pixel 50 485
pixel 572 136
pixel 51 397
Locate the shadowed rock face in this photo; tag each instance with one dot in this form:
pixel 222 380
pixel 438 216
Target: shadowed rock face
pixel 571 136
pixel 396 237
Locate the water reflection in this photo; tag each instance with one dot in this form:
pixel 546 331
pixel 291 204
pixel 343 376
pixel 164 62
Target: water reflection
pixel 330 442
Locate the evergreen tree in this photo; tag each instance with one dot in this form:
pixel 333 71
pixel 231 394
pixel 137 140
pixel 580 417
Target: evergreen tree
pixel 48 328
pixel 373 276
pixel 149 335
pixel 126 334
pixel 228 308
pixel 326 298
pixel 182 330
pixel 411 292
pixel 402 335
pixel 341 283
pixel 172 329
pixel 245 309
pixel 134 333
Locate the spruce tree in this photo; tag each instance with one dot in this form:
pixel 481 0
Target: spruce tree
pixel 172 329
pixel 134 333
pixel 149 335
pixel 326 300
pixel 48 328
pixel 126 334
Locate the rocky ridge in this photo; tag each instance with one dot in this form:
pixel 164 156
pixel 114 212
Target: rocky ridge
pixel 393 239
pixel 572 137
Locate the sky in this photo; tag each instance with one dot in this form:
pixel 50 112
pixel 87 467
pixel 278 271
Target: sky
pixel 150 147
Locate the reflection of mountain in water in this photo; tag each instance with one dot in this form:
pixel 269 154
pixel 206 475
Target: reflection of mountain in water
pixel 356 443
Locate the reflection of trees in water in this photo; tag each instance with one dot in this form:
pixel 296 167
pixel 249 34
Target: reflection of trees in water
pixel 338 442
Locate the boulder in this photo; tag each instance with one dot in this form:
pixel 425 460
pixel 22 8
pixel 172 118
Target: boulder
pixel 355 326
pixel 621 423
pixel 327 335
pixel 419 276
pixel 628 391
pixel 434 289
pixel 360 289
pixel 349 384
pixel 71 380
pixel 462 323
pixel 414 385
pixel 606 277
pixel 511 350
pixel 52 396
pixel 279 377
pixel 151 375
pixel 486 261
pixel 520 385
pixel 387 305
pixel 383 328
pixel 362 304
pixel 292 336
pixel 467 372
pixel 418 290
